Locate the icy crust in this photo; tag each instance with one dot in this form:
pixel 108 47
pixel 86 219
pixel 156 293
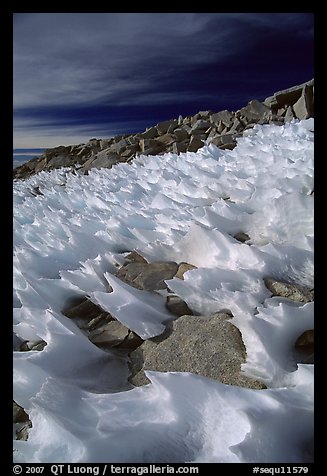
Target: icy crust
pixel 69 242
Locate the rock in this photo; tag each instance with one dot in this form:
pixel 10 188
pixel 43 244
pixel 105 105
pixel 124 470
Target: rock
pixel 22 432
pixel 177 306
pixel 148 276
pixel 150 133
pixel 225 141
pixel 163 127
pixel 255 111
pixel 165 139
pixel 19 414
pixel 195 144
pixel 119 147
pixel 303 108
pixel 304 347
pixel 286 97
pixel 237 126
pixel 135 256
pixel 98 321
pixel 150 146
pixel 104 159
pixel 208 346
pixel 289 115
pixel 179 147
pixel 225 117
pixel 115 334
pixel 181 134
pixel 295 292
pixel 200 125
pixel 39 345
pixel 59 161
pixel 242 237
pixel 182 268
pixel 86 310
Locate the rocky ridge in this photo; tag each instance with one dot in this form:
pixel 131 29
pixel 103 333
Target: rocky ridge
pixel 184 134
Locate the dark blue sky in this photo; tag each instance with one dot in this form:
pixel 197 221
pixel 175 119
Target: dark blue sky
pixel 83 75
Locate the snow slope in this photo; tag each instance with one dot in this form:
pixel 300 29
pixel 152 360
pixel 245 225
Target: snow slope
pixel 69 241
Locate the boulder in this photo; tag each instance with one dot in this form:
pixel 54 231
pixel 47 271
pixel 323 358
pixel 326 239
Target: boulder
pixel 287 97
pixel 226 117
pixel 195 144
pixel 148 276
pixel 303 108
pixel 200 125
pixel 304 347
pixel 19 414
pixel 150 146
pixel 165 140
pixel 163 127
pixel 104 159
pixel 60 161
pixel 87 315
pixel 289 114
pixel 115 334
pixel 237 126
pixel 179 147
pixel 149 133
pixel 210 346
pixel 295 292
pixel 119 147
pixel 22 432
pixel 254 112
pixel 177 306
pixel 181 134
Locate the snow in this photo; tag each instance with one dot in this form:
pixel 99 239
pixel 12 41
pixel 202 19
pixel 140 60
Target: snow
pixel 69 243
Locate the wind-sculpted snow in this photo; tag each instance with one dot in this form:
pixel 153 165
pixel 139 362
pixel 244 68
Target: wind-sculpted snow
pixel 71 234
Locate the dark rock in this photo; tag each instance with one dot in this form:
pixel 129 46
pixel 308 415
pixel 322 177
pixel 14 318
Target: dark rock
pixel 303 108
pixel 195 144
pixel 295 292
pixel 208 346
pixel 177 306
pixel 286 97
pixel 19 414
pixel 242 237
pixel 135 256
pixel 163 127
pixel 181 134
pixel 148 276
pixel 85 310
pixel 150 147
pixel 255 111
pixel 200 125
pixel 149 133
pixel 225 117
pixel 304 347
pixel 289 114
pixel 165 139
pixel 179 147
pixel 22 432
pixel 115 334
pixel 237 126
pixel 104 159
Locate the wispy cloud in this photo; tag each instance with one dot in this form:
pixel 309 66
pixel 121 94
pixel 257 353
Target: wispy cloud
pixel 78 62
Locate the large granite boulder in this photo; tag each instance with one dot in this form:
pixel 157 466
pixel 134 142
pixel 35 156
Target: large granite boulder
pixel 204 345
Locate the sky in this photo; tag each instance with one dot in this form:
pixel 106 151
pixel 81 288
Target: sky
pixel 83 75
